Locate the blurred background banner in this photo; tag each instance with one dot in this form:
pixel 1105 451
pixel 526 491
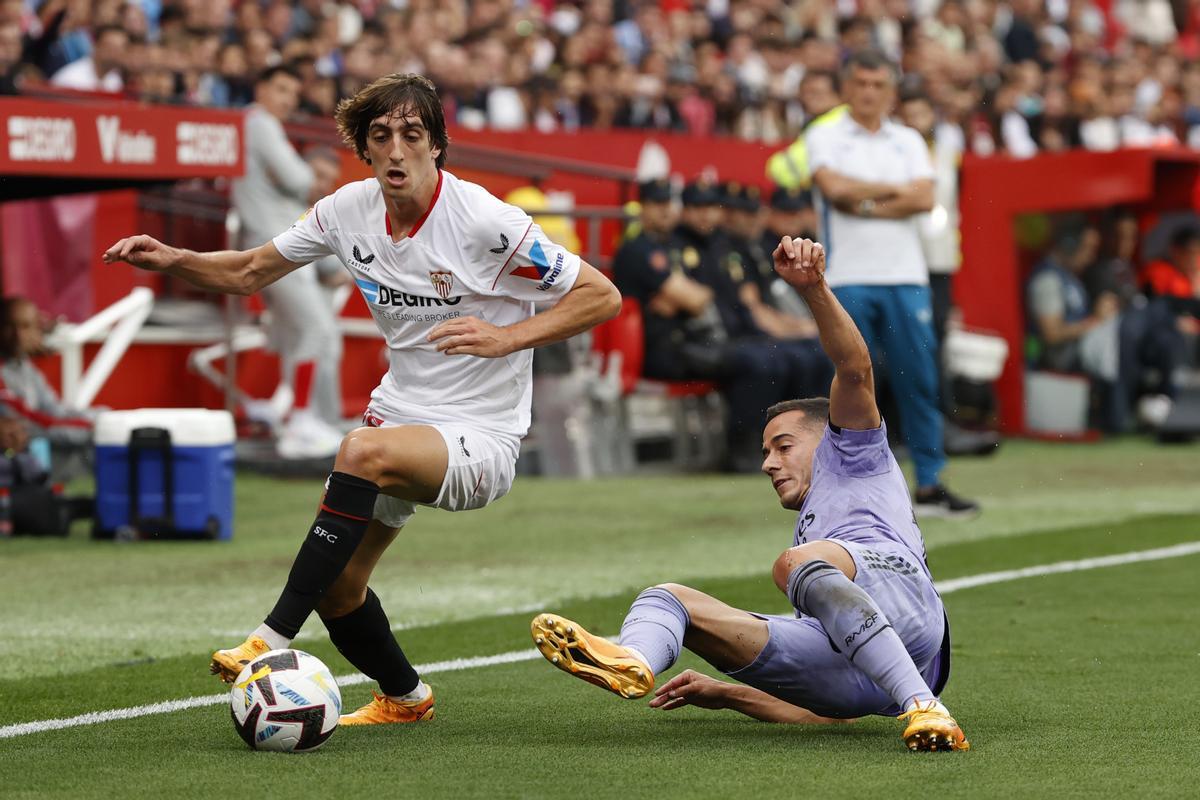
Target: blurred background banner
pixel 116 139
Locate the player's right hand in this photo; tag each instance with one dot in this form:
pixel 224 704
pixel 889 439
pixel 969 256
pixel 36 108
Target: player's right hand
pixel 800 262
pixel 144 252
pixel 690 688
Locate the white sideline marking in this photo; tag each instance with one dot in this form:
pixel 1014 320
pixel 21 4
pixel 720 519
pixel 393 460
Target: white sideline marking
pixel 971 581
pixel 457 664
pixel 94 717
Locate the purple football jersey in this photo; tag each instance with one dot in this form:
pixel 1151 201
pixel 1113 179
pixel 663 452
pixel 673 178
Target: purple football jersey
pixel 858 493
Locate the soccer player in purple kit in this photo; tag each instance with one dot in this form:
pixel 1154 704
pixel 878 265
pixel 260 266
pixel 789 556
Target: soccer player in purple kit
pixel 870 635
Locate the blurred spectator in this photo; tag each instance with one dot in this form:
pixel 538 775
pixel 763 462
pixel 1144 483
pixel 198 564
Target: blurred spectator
pixel 276 189
pixel 1116 349
pixel 25 395
pixel 10 56
pixel 1015 75
pixel 14 436
pixel 940 245
pixel 1176 281
pixel 1177 275
pixel 326 165
pixel 939 227
pixel 232 86
pixel 821 104
pixel 102 70
pixel 1069 327
pixel 874 179
pixel 1115 272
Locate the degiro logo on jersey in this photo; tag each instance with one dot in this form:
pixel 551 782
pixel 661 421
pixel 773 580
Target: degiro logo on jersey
pixel 384 296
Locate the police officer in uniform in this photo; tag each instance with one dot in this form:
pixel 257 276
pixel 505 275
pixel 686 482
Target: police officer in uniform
pixel 671 272
pixel 764 298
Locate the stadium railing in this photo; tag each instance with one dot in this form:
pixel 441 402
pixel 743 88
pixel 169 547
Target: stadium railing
pixel 115 326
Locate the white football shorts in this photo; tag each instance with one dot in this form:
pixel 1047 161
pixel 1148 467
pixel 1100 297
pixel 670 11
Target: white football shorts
pixel 480 470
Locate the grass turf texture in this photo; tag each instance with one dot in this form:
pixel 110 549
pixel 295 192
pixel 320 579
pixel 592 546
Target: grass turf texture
pixel 1073 684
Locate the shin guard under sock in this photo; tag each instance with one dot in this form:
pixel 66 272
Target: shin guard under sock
pixel 345 513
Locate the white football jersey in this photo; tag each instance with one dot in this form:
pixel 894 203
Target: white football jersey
pixel 470 255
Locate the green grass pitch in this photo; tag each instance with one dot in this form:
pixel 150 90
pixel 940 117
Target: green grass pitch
pixel 1082 684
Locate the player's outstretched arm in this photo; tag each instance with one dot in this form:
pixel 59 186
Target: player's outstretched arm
pixel 228 271
pixel 690 688
pixel 592 300
pixel 801 262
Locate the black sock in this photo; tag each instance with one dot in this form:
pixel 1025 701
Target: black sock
pixel 345 513
pixel 365 638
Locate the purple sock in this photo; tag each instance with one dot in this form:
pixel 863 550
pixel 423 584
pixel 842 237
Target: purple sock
pixel 858 629
pixel 654 627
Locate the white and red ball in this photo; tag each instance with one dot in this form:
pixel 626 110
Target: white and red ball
pixel 286 701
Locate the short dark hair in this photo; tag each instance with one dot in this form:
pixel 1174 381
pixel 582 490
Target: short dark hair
pixel 816 410
pixel 827 74
pixel 269 74
pixel 1184 237
pixel 386 95
pixel 914 94
pixel 869 59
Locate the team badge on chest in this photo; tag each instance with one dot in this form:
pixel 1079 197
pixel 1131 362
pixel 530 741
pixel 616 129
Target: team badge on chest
pixel 443 282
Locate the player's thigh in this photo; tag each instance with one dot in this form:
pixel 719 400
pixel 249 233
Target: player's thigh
pixel 349 590
pixel 407 461
pixel 724 636
pixel 479 469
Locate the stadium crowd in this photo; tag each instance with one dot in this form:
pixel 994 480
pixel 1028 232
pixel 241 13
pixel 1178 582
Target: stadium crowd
pixel 1017 76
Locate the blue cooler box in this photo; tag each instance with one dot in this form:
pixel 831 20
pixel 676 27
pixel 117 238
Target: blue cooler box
pixel 165 473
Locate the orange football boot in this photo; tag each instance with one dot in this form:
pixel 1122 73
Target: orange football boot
pixel 930 727
pixel 566 645
pixel 228 664
pixel 383 710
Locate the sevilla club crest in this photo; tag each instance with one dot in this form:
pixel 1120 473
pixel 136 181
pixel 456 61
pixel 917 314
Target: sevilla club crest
pixel 443 282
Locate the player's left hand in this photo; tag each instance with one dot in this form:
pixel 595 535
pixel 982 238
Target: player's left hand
pixel 690 688
pixel 470 336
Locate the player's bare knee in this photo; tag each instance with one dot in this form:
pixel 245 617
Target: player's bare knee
pixel 788 560
pixel 361 454
pixel 811 551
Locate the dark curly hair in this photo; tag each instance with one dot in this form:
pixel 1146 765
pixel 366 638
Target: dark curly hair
pixel 396 92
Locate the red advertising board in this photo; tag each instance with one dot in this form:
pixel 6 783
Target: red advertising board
pixel 97 139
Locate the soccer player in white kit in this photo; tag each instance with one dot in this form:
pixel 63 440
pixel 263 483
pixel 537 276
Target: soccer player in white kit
pixel 451 275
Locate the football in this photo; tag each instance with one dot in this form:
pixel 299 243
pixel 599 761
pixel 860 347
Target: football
pixel 285 701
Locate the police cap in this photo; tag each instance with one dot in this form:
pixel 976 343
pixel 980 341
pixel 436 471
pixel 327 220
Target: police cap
pixel 655 191
pixel 790 200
